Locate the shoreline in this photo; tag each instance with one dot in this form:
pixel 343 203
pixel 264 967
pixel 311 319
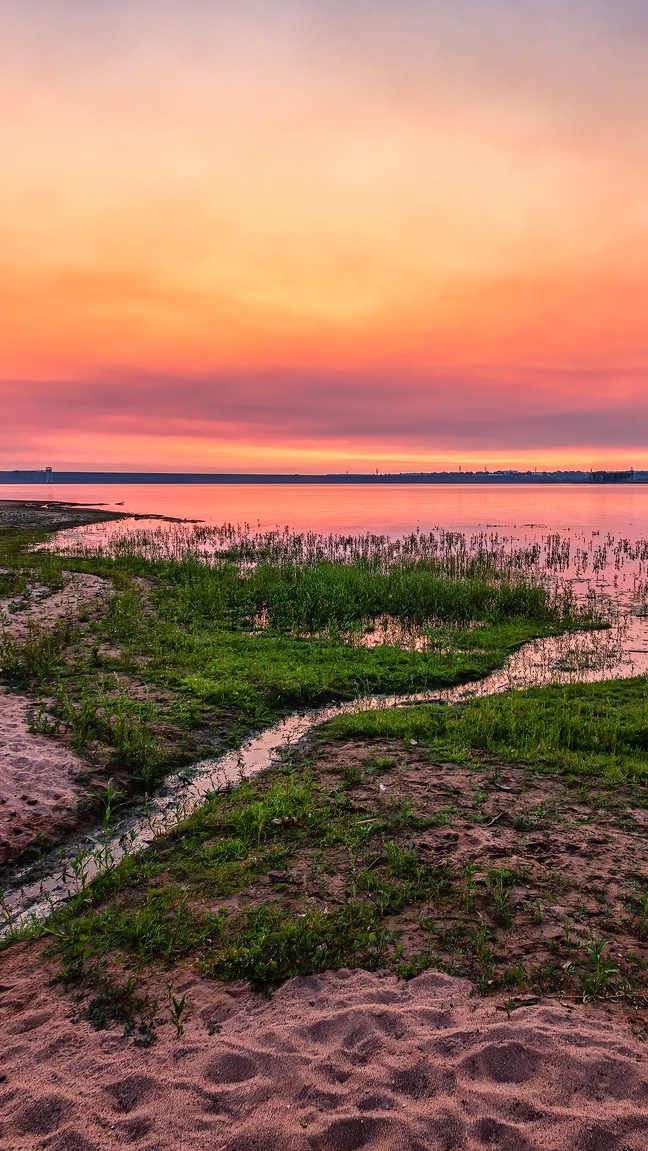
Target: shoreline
pixel 145 1026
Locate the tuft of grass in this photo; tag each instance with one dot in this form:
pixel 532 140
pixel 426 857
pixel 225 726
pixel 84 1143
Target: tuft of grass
pixel 265 948
pixel 38 659
pixel 602 976
pixel 120 1003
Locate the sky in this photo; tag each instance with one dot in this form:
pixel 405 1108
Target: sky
pixel 315 235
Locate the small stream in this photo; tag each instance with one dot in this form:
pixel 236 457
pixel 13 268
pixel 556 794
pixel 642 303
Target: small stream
pixel 618 652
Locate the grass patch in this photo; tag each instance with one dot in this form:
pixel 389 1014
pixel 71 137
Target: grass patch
pixel 355 858
pixel 189 656
pixel 172 901
pixel 595 729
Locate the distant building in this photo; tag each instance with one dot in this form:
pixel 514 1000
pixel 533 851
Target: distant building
pixel 48 475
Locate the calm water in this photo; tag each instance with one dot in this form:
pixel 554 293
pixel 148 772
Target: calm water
pixel 393 510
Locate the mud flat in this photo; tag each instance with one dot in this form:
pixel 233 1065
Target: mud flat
pixel 50 515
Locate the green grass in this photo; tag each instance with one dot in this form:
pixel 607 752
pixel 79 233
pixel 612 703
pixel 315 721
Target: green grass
pixel 298 872
pixel 178 664
pixel 178 667
pixel 597 729
pixel 167 903
pixel 310 598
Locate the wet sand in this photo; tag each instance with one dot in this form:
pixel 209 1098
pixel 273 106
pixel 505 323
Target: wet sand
pixel 50 515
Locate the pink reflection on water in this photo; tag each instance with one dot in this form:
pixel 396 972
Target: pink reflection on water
pixel 390 509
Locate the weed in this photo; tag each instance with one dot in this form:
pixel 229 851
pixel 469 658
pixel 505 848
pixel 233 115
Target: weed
pixel 38 658
pixel 265 947
pixel 178 1010
pixel 414 965
pixel 12 583
pixel 40 721
pixel 499 883
pixel 470 887
pixel 352 776
pixel 131 735
pixel 119 1003
pixel 379 763
pixel 598 982
pixel 84 717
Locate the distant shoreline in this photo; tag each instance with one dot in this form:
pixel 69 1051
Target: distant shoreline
pixel 386 478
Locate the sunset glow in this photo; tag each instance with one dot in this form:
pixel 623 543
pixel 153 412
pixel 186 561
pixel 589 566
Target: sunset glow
pixel 304 235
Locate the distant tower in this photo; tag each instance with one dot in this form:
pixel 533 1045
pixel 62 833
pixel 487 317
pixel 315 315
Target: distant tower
pixel 48 475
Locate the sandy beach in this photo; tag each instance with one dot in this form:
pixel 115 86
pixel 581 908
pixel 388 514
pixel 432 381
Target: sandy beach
pixel 336 1062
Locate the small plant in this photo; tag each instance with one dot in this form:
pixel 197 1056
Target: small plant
pixel 41 723
pixel 85 718
pixel 567 935
pixel 12 583
pixel 352 776
pixel 134 743
pixel 6 914
pixel 414 965
pixel 499 880
pixel 50 571
pixel 380 763
pixel 119 1003
pixel 509 1007
pixel 597 983
pixel 38 658
pixel 470 887
pixel 79 866
pixel 178 1010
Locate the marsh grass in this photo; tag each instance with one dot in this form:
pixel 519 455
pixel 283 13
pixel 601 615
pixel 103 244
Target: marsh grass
pixel 174 668
pixel 328 596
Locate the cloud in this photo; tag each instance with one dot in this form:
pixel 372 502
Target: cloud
pixel 354 413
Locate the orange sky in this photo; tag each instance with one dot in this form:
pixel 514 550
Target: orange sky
pixel 274 233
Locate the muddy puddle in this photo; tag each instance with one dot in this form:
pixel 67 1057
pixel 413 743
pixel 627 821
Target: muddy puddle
pixel 617 652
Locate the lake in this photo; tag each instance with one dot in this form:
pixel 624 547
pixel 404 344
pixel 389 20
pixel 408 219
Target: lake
pixel 525 509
